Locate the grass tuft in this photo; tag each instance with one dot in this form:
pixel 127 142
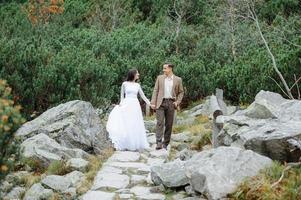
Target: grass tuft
pixel 58 167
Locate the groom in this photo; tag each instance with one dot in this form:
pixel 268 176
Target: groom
pixel 167 95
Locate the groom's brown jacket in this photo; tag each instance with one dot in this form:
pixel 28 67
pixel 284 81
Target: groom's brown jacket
pixel 158 93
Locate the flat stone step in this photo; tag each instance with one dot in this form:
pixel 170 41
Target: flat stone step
pixel 98 195
pixel 125 156
pixel 108 181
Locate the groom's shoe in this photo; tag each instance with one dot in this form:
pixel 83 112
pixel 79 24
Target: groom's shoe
pixel 159 146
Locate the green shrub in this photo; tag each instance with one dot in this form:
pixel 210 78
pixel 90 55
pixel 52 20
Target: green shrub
pixel 84 52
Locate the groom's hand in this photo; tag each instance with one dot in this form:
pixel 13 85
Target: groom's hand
pixel 153 106
pixel 175 104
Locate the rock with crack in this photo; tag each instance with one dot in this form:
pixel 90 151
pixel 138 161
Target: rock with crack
pixel 74 124
pixel 217 172
pixel 268 126
pixel 46 150
pixel 171 174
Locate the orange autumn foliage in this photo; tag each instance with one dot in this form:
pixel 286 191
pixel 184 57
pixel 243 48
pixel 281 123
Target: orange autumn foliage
pixel 41 10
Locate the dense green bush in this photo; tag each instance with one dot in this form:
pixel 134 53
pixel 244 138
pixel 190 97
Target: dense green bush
pixel 85 52
pixel 10 120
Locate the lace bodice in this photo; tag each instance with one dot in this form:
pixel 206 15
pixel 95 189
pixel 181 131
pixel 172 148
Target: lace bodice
pixel 131 90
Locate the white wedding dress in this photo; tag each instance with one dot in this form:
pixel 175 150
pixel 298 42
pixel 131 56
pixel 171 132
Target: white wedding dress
pixel 125 124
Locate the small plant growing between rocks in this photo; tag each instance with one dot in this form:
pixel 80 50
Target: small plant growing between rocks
pixel 33 165
pixel 204 139
pixel 58 167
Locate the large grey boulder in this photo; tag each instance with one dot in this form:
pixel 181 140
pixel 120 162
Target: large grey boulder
pixel 170 174
pixel 217 172
pixel 271 126
pixel 266 105
pixel 74 124
pixel 46 150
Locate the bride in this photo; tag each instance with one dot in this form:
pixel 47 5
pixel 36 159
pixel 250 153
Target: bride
pixel 125 123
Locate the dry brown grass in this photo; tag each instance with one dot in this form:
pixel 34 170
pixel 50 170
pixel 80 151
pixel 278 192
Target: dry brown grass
pixel 30 179
pixel 57 196
pixel 201 141
pixel 261 186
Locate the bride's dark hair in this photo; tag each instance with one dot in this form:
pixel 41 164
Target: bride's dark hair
pixel 131 74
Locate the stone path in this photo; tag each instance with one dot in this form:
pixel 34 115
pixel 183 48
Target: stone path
pixel 126 175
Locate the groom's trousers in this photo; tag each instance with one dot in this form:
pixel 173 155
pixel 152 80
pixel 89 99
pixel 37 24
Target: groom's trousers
pixel 165 116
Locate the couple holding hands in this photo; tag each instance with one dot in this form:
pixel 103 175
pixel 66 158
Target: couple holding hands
pixel 125 124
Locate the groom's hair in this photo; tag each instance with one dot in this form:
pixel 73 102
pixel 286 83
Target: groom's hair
pixel 169 65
